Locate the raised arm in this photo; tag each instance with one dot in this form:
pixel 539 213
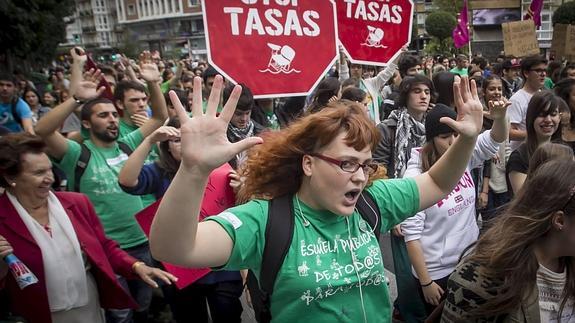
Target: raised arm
pixel 440 180
pixel 130 172
pixel 48 126
pixel 151 75
pixel 204 148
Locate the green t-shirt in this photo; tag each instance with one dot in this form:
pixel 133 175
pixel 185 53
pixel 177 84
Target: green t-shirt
pixel 115 208
pixel 317 281
pixel 273 120
pixel 460 72
pixel 548 84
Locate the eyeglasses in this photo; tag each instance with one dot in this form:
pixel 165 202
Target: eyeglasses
pixel 539 70
pixel 349 166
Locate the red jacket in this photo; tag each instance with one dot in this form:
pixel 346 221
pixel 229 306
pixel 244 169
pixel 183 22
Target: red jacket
pixel 104 255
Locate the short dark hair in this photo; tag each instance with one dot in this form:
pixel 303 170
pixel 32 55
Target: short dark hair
pixel 12 147
pixel 528 62
pixel 407 85
pixel 353 94
pixel 246 100
pixel 124 86
pixel 8 77
pixel 182 96
pixel 107 70
pixel 406 62
pixel 352 81
pixel 209 72
pixel 88 107
pixel 461 57
pixel 480 62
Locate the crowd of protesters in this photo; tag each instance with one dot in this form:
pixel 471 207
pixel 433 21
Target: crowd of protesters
pixel 467 163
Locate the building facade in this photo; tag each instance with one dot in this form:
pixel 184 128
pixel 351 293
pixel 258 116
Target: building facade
pixel 173 27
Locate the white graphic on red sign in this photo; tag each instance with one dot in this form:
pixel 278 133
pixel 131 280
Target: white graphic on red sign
pixel 281 59
pixel 374 37
pixel 274 47
pixel 387 23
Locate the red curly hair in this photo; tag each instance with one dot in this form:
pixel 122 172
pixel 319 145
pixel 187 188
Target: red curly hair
pixel 274 168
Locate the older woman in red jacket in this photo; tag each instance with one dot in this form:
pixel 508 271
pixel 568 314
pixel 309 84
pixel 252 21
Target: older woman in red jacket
pixel 61 240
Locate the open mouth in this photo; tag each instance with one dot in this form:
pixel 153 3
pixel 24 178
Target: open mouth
pixel 351 197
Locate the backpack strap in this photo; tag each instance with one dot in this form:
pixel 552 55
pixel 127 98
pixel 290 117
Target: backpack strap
pixel 125 148
pixel 369 211
pixel 279 234
pixel 81 165
pixel 82 162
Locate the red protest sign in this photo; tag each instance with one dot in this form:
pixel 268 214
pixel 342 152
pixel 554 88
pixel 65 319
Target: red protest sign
pixel 374 31
pixel 275 47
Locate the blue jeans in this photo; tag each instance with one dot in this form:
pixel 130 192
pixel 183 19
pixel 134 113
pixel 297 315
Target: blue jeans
pixel 140 291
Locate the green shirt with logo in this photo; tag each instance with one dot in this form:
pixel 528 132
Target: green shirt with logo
pixel 328 260
pixel 115 208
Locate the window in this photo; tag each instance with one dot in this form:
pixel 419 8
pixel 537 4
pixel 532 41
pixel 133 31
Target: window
pixel 131 10
pixel 192 3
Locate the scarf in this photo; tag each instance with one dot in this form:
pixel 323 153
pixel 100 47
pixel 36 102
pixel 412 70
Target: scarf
pixel 65 273
pixel 236 134
pixel 409 133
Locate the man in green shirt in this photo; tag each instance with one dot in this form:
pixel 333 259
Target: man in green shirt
pixel 462 64
pixel 99 182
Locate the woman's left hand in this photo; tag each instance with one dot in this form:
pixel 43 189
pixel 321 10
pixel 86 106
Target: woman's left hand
pixel 148 274
pixel 498 109
pixel 469 109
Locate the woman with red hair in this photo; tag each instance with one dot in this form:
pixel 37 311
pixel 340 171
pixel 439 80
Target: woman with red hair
pixel 333 270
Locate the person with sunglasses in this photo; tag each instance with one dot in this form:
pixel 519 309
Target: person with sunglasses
pixel 333 269
pixel 436 237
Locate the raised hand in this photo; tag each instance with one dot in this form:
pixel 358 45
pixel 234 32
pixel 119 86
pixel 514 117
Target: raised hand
pixel 150 72
pixel 164 133
pixel 78 56
pixel 498 109
pixel 469 109
pixel 87 89
pixel 205 145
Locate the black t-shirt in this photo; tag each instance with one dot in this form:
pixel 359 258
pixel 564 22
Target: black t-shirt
pixel 518 162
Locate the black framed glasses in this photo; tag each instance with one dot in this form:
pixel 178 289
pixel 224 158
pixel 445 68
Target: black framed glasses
pixel 349 166
pixel 539 70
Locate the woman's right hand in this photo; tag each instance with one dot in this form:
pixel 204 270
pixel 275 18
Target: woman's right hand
pixel 164 133
pixel 205 145
pixel 5 250
pixel 432 293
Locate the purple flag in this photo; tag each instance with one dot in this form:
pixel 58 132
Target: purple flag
pixel 534 12
pixel 461 32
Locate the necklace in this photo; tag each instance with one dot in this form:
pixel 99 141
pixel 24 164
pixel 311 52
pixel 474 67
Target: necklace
pixel 305 221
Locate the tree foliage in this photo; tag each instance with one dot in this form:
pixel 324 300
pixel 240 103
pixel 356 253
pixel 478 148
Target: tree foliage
pixel 451 6
pixel 32 29
pixel 440 24
pixel 565 14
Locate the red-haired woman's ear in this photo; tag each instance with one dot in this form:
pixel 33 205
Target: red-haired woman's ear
pixel 306 163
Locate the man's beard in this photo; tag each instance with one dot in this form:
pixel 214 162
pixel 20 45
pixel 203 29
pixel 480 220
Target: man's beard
pixel 105 136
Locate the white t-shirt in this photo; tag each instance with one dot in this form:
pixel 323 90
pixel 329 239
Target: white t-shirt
pixel 550 285
pixel 518 111
pixel 448 227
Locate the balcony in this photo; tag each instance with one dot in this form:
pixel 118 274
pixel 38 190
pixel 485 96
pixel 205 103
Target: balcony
pixel 88 30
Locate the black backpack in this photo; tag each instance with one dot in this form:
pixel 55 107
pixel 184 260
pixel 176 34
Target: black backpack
pixel 82 162
pixel 279 234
